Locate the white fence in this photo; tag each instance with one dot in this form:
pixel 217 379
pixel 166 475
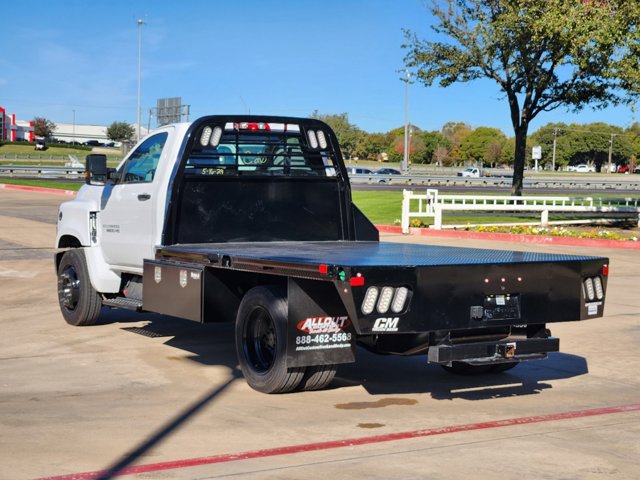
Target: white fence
pixel 432 204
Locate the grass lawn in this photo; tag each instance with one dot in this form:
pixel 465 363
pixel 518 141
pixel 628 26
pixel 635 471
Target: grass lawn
pixel 42 183
pixel 28 149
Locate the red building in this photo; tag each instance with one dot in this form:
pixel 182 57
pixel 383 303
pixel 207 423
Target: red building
pixel 12 130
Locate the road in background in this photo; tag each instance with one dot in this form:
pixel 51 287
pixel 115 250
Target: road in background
pixel 144 389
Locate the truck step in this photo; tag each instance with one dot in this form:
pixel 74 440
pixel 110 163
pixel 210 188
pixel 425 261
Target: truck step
pixel 123 302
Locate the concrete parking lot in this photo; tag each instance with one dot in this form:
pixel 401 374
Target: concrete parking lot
pixel 163 399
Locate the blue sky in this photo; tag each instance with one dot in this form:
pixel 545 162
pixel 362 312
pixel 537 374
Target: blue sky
pixel 261 57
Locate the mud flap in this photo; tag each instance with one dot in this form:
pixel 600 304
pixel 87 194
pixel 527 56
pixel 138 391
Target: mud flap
pixel 319 331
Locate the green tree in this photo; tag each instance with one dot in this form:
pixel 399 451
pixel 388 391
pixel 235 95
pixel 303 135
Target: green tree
pixel 481 144
pixel 43 127
pixel 120 132
pixel 349 136
pixel 455 133
pixel 543 54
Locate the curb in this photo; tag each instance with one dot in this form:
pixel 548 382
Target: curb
pixel 26 188
pixel 512 237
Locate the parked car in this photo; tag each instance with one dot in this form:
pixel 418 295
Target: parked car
pixel 387 171
pixel 584 168
pixel 40 144
pixel 358 171
pixel 470 172
pixel 623 169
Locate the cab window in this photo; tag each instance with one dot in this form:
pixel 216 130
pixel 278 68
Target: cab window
pixel 141 164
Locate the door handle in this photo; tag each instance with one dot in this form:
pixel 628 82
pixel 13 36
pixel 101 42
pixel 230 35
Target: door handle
pixel 144 197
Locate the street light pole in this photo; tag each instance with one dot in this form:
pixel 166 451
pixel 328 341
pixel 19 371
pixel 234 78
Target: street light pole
pixel 405 160
pixel 140 23
pixel 74 126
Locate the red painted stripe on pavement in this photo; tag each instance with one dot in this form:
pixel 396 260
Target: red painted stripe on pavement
pixel 311 447
pixel 512 237
pixel 27 188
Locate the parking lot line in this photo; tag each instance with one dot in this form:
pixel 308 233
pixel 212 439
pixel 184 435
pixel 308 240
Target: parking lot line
pixel 310 447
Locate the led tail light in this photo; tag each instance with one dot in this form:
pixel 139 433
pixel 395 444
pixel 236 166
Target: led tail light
pixel 589 290
pixel 399 299
pixel 385 300
pixel 313 140
pixel 369 302
pixel 597 284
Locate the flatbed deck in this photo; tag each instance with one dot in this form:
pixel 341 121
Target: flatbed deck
pixel 357 254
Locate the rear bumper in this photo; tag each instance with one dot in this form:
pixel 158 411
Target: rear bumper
pixel 482 353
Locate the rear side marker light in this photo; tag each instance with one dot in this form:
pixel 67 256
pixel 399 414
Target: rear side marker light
pixel 357 281
pixel 399 299
pixel 605 270
pixel 369 302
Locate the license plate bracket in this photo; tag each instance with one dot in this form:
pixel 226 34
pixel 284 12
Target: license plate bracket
pixel 501 307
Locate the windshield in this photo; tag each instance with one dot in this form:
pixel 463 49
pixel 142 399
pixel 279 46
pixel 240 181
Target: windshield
pixel 251 151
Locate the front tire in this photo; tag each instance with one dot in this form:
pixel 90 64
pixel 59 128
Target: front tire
pixel 79 302
pixel 261 341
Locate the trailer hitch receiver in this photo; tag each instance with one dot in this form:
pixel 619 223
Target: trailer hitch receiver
pixel 506 350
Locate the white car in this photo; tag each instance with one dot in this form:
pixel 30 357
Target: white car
pixel 584 168
pixel 470 172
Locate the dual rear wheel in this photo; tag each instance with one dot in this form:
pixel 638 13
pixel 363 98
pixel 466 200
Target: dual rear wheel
pixel 261 345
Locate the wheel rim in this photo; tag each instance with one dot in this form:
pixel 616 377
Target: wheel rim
pixel 260 340
pixel 69 290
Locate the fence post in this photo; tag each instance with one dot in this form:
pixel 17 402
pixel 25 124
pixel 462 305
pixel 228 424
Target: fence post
pixel 544 218
pixel 437 217
pixel 406 204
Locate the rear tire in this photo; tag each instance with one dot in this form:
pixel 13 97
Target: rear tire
pixel 79 302
pixel 317 377
pixel 261 341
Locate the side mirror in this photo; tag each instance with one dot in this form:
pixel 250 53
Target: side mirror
pixel 96 169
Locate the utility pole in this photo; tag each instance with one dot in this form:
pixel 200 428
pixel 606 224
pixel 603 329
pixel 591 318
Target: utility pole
pixel 553 158
pixel 611 150
pixel 405 161
pixel 140 23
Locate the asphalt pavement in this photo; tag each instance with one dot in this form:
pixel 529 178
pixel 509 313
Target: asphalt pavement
pixel 162 398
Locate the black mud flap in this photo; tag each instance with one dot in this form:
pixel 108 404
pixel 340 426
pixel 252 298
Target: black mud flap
pixel 483 353
pixel 319 331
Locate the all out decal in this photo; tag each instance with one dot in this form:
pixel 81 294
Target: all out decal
pixel 323 333
pixel 314 325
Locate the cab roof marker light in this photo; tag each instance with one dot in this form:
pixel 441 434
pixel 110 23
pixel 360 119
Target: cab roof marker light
pixel 399 299
pixel 322 140
pixel 385 299
pixel 206 135
pixel 277 127
pixel 313 140
pixel 217 135
pixel 230 126
pixel 597 283
pixel 292 127
pixel 369 301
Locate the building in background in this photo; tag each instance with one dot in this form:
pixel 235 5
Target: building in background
pixel 12 130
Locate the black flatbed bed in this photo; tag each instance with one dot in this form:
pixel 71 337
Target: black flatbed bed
pixel 353 254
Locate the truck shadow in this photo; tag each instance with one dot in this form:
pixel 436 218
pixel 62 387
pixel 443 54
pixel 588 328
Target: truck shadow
pixel 398 375
pixel 213 344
